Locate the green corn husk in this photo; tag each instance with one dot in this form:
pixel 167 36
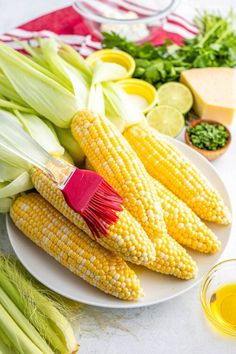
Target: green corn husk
pixel 41 133
pixel 37 307
pixel 20 184
pixel 6 346
pixel 71 77
pixel 5 204
pixel 23 323
pixel 45 95
pixel 38 320
pixel 11 105
pixel 5 349
pixel 66 139
pixel 15 141
pixel 8 91
pixel 21 342
pixel 96 102
pixel 104 71
pixel 118 107
pixel 74 58
pixel 13 160
pixel 9 172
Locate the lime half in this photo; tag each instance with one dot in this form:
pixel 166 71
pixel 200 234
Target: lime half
pixel 176 95
pixel 166 120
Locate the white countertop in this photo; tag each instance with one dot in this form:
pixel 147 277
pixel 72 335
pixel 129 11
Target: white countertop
pixel 177 326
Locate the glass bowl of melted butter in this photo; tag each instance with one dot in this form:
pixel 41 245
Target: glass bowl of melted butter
pixel 218 296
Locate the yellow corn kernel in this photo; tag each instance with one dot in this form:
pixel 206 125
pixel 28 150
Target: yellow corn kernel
pixel 125 237
pixel 169 166
pixel 70 246
pixel 115 160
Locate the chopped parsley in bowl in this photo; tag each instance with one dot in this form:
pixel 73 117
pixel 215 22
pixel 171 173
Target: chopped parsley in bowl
pixel 208 136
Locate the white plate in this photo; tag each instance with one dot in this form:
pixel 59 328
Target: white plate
pixel 157 287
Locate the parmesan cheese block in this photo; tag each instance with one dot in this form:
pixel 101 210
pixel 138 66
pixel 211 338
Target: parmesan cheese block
pixel 214 91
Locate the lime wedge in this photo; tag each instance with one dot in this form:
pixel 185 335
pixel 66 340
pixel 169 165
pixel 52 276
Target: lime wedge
pixel 176 95
pixel 166 120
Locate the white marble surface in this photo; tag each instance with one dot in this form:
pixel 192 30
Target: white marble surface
pixel 177 326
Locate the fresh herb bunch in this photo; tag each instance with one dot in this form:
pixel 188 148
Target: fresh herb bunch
pixel 214 46
pixel 208 136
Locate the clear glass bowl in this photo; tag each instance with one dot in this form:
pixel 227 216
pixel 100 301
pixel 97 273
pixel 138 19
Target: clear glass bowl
pixel 134 19
pixel 222 274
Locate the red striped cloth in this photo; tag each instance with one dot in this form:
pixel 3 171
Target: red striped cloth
pixel 72 28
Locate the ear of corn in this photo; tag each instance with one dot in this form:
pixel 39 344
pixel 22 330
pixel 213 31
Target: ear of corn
pixel 126 236
pixel 115 160
pixel 168 165
pixel 183 224
pixel 70 246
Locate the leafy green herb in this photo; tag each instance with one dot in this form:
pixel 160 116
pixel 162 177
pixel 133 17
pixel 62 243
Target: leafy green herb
pixel 214 46
pixel 208 136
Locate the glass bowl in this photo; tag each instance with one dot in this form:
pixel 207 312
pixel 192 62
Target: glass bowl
pixel 221 276
pixel 134 19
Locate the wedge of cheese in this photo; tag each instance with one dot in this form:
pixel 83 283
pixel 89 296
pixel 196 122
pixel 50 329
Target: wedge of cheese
pixel 214 91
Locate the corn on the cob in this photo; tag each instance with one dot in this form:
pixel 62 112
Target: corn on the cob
pixel 182 223
pixel 70 246
pixel 126 236
pixel 115 160
pixel 169 166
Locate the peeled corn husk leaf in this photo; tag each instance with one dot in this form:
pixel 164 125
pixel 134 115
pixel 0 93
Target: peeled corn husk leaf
pixel 74 58
pixel 67 158
pixel 11 105
pixel 118 107
pixel 5 345
pixel 13 160
pixel 42 93
pixel 41 133
pixel 41 310
pixel 96 102
pixel 22 344
pixel 72 77
pixel 20 184
pixel 5 204
pixel 107 72
pixel 24 325
pixel 112 110
pixel 35 53
pixel 8 91
pixel 15 141
pixel 9 172
pixel 72 146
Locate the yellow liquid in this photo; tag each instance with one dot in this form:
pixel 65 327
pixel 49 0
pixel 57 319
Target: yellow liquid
pixel 223 306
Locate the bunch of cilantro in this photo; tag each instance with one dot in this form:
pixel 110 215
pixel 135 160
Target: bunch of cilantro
pixel 214 46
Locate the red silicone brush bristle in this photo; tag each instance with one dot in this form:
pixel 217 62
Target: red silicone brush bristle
pixel 94 199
